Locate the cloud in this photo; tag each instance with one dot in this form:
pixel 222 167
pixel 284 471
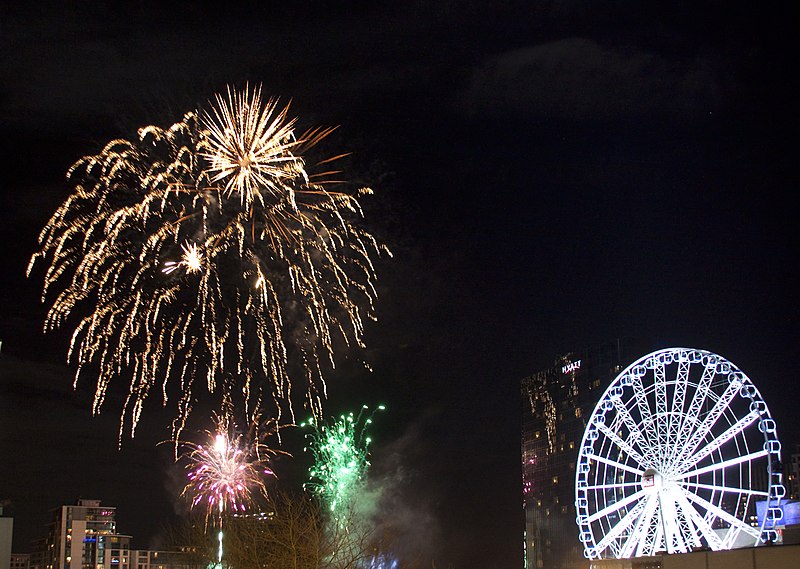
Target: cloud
pixel 579 79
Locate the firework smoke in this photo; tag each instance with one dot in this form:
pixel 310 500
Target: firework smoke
pixel 210 251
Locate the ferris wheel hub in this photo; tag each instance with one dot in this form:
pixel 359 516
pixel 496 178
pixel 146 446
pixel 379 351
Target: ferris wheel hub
pixel 652 481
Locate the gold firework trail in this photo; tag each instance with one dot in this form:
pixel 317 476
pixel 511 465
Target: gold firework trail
pixel 210 252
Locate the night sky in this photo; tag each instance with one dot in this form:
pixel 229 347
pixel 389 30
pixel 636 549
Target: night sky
pixel 549 175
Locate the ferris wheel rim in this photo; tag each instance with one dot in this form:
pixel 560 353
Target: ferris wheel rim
pixel 677 476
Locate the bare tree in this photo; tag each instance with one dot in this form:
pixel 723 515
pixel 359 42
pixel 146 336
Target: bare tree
pixel 192 545
pixel 293 533
pixel 286 537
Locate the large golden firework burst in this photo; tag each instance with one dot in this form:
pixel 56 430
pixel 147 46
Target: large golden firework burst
pixel 210 251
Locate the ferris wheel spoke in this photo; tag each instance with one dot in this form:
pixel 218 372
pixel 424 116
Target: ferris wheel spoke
pixel 731 432
pixel 658 534
pixel 687 535
pixel 722 465
pixel 681 382
pixel 729 489
pixel 616 506
pixel 669 518
pixel 623 445
pixel 635 434
pixel 637 534
pixel 619 527
pixel 711 537
pixel 699 397
pixel 689 531
pixel 615 464
pixel 721 514
pixel 662 417
pixel 613 486
pixel 709 421
pixel 644 412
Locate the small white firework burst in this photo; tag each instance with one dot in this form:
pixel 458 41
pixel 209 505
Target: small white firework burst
pixel 192 260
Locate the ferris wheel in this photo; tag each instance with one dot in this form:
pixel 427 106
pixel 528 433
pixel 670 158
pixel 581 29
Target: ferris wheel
pixel 676 455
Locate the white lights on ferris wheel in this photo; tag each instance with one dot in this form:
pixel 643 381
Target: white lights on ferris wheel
pixel 675 456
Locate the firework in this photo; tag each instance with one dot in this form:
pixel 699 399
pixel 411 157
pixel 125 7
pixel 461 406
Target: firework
pixel 227 473
pixel 192 259
pixel 210 251
pixel 340 451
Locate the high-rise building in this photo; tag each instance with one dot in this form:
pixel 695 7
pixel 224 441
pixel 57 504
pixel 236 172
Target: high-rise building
pixel 83 536
pixel 6 533
pixel 556 404
pixel 793 474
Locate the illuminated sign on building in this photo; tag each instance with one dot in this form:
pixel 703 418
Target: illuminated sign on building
pixel 572 366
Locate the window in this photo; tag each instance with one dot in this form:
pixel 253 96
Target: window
pixel 555 479
pixel 577 411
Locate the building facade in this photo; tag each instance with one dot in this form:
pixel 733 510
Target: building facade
pixel 6 534
pixel 83 536
pixel 20 561
pixel 556 403
pixel 152 559
pixel 793 474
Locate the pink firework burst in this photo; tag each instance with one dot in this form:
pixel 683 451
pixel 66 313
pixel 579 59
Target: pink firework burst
pixel 229 471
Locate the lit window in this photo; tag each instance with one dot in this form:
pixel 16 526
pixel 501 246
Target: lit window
pixel 538 434
pixel 577 411
pixel 555 479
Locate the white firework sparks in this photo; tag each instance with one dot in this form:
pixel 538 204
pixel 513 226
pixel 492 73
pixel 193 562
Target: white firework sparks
pixel 192 259
pixel 250 149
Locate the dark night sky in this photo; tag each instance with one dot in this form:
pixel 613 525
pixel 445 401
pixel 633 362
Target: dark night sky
pixel 553 174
